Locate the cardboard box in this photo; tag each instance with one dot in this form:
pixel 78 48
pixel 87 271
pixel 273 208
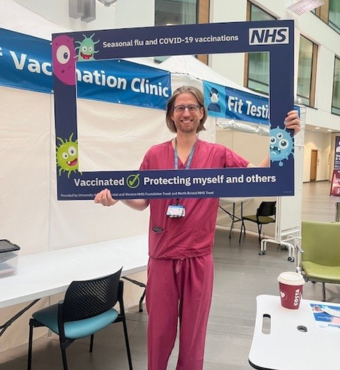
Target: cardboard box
pixel 8 258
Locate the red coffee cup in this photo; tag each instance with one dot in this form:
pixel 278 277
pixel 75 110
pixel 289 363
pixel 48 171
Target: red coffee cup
pixel 290 284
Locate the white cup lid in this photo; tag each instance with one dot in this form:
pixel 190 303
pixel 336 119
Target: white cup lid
pixel 291 278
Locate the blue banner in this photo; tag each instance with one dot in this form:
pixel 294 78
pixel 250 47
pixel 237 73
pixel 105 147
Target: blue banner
pixel 194 183
pixel 26 63
pixel 119 81
pixel 226 102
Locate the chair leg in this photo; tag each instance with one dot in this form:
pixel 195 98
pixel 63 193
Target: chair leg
pixel 63 355
pixel 91 343
pixel 323 292
pixel 127 344
pixel 243 229
pixel 259 228
pixel 141 301
pixel 30 340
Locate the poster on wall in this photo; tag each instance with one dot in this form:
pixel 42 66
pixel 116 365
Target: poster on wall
pixel 335 183
pixel 71 49
pixel 337 153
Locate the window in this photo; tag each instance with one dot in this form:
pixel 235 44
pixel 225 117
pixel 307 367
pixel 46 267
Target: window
pixel 176 12
pixel 169 12
pixel 257 64
pixel 330 13
pixel 334 14
pixel 336 88
pixel 306 71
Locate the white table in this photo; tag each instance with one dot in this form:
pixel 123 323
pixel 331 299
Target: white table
pixel 288 346
pixel 44 274
pixel 232 215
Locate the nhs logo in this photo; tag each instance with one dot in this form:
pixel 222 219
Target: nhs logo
pixel 268 36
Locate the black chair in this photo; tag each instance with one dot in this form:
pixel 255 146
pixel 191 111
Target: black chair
pixel 265 214
pixel 87 308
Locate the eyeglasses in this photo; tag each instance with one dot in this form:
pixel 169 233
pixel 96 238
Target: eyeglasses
pixel 191 108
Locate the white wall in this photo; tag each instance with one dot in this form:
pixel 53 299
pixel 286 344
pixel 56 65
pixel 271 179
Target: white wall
pixel 228 65
pixel 317 31
pixel 31 216
pixel 308 25
pixel 250 146
pixel 17 18
pixel 322 143
pixel 254 148
pixel 118 15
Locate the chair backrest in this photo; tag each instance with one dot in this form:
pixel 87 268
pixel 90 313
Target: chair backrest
pixel 321 242
pixel 88 298
pixel 266 209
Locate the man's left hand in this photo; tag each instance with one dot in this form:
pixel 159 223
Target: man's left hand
pixel 292 121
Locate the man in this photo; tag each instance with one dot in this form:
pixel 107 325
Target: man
pixel 181 235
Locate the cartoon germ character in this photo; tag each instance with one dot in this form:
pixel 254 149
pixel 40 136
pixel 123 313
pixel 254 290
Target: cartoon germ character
pixel 281 145
pixel 67 156
pixel 86 48
pixel 64 59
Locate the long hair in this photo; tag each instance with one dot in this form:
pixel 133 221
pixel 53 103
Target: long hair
pixel 171 102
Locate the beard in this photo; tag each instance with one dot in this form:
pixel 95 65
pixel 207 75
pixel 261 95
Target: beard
pixel 187 126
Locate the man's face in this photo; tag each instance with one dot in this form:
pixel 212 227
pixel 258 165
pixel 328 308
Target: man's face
pixel 188 119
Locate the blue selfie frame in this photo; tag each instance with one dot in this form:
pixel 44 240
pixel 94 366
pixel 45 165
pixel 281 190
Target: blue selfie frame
pixel 274 37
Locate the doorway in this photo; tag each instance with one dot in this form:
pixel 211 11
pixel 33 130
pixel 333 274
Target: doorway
pixel 313 165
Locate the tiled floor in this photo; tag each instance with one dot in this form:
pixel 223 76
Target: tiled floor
pixel 240 275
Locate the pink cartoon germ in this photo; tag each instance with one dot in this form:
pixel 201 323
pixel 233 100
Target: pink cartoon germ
pixel 64 59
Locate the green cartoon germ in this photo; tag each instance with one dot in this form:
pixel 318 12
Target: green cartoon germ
pixel 67 155
pixel 86 48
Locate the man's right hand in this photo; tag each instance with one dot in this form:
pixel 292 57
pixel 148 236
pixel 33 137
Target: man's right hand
pixel 104 198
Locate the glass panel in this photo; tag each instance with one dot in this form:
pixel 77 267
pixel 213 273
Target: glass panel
pixel 334 14
pixel 168 12
pixel 305 70
pixel 336 88
pixel 258 63
pixel 336 111
pixel 258 75
pixel 258 14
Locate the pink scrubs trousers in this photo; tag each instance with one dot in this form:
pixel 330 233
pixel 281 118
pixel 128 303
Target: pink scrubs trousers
pixel 178 291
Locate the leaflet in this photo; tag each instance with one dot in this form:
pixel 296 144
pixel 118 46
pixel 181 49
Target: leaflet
pixel 326 316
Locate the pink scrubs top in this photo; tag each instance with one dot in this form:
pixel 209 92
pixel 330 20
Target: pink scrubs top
pixel 192 235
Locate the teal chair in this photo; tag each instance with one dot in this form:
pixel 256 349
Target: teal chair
pixel 320 254
pixel 87 308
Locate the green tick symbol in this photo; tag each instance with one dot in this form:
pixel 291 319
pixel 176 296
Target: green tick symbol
pixel 133 181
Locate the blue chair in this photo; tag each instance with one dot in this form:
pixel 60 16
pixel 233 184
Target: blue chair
pixel 87 308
